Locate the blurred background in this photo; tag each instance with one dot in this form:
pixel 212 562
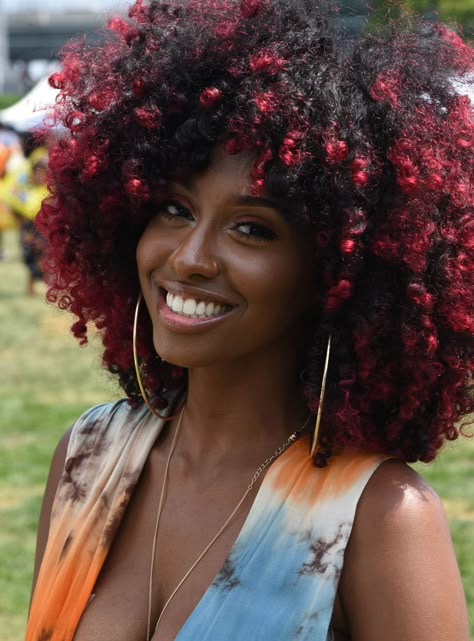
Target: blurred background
pixel 32 31
pixel 46 380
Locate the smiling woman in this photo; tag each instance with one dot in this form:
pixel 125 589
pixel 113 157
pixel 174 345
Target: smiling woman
pixel 215 247
pixel 274 235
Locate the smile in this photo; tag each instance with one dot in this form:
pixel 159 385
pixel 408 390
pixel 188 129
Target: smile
pixel 194 308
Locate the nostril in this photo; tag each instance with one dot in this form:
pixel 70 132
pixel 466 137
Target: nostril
pixel 195 257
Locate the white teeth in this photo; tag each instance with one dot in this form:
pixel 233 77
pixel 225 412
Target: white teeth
pixel 191 307
pixel 201 308
pixel 209 309
pixel 177 305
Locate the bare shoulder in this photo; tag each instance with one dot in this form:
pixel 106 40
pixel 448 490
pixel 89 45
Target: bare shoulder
pixel 400 577
pixel 55 472
pixel 399 499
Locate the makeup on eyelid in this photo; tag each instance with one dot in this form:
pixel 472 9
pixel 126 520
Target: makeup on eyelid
pixel 257 225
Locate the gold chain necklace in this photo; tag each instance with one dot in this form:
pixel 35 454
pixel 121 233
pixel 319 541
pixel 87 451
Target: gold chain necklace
pixel 291 439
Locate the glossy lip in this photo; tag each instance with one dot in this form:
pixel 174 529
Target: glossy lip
pixel 178 322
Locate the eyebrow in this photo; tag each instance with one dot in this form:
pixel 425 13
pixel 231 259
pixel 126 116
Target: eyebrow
pixel 256 201
pixel 187 181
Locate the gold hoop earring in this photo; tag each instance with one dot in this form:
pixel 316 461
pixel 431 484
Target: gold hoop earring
pixel 137 367
pixel 314 442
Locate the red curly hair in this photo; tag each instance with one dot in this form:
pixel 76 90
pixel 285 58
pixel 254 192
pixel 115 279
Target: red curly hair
pixel 371 147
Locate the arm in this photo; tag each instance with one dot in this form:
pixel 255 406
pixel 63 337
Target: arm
pixel 56 469
pixel 400 580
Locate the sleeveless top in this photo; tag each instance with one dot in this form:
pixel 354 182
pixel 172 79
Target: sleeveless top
pixel 280 579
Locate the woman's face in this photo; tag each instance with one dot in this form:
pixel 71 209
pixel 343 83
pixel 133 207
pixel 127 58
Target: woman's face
pixel 223 274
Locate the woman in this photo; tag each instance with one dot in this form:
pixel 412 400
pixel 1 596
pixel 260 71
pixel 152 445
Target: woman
pixel 269 222
pixel 21 192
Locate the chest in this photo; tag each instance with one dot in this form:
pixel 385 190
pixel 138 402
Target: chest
pixel 265 576
pixel 191 517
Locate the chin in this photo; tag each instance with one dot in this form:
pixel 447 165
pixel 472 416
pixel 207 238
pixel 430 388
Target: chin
pixel 184 358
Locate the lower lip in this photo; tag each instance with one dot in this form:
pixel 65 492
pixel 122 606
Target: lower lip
pixel 178 321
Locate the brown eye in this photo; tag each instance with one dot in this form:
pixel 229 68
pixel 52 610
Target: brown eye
pixel 173 210
pixel 254 231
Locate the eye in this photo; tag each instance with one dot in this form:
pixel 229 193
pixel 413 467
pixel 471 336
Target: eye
pixel 254 231
pixel 173 211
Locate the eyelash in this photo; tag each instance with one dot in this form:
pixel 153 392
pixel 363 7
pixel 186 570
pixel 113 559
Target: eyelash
pixel 182 211
pixel 256 231
pixel 260 233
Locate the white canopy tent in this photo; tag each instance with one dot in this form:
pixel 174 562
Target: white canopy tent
pixel 30 111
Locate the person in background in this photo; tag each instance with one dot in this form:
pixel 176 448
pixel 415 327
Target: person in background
pixel 22 191
pixel 9 146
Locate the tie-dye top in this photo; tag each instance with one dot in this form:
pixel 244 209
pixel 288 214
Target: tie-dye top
pixel 280 579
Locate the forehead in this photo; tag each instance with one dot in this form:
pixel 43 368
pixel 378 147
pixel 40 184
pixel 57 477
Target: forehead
pixel 225 173
pixel 227 179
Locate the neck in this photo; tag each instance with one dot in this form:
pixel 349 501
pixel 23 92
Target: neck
pixel 241 412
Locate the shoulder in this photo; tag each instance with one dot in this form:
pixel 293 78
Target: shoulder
pixel 398 499
pixel 399 520
pixel 98 419
pixel 86 436
pixel 400 577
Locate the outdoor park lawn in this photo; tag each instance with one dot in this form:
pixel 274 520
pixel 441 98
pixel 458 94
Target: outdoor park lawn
pixel 46 381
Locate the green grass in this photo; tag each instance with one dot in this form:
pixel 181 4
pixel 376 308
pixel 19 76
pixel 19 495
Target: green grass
pixel 8 99
pixel 46 381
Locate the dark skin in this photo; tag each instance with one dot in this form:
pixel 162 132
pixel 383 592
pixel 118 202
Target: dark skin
pixel 400 580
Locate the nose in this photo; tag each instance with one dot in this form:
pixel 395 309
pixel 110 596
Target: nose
pixel 195 255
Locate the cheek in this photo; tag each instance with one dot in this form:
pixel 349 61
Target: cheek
pixel 142 259
pixel 283 283
pixel 292 283
pixel 149 253
pixel 140 252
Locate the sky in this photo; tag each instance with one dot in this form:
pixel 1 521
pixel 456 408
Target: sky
pixel 10 6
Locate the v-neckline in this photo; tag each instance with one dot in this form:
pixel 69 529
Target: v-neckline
pixel 247 528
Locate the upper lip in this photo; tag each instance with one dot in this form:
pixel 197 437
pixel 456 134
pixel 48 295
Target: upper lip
pixel 189 291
